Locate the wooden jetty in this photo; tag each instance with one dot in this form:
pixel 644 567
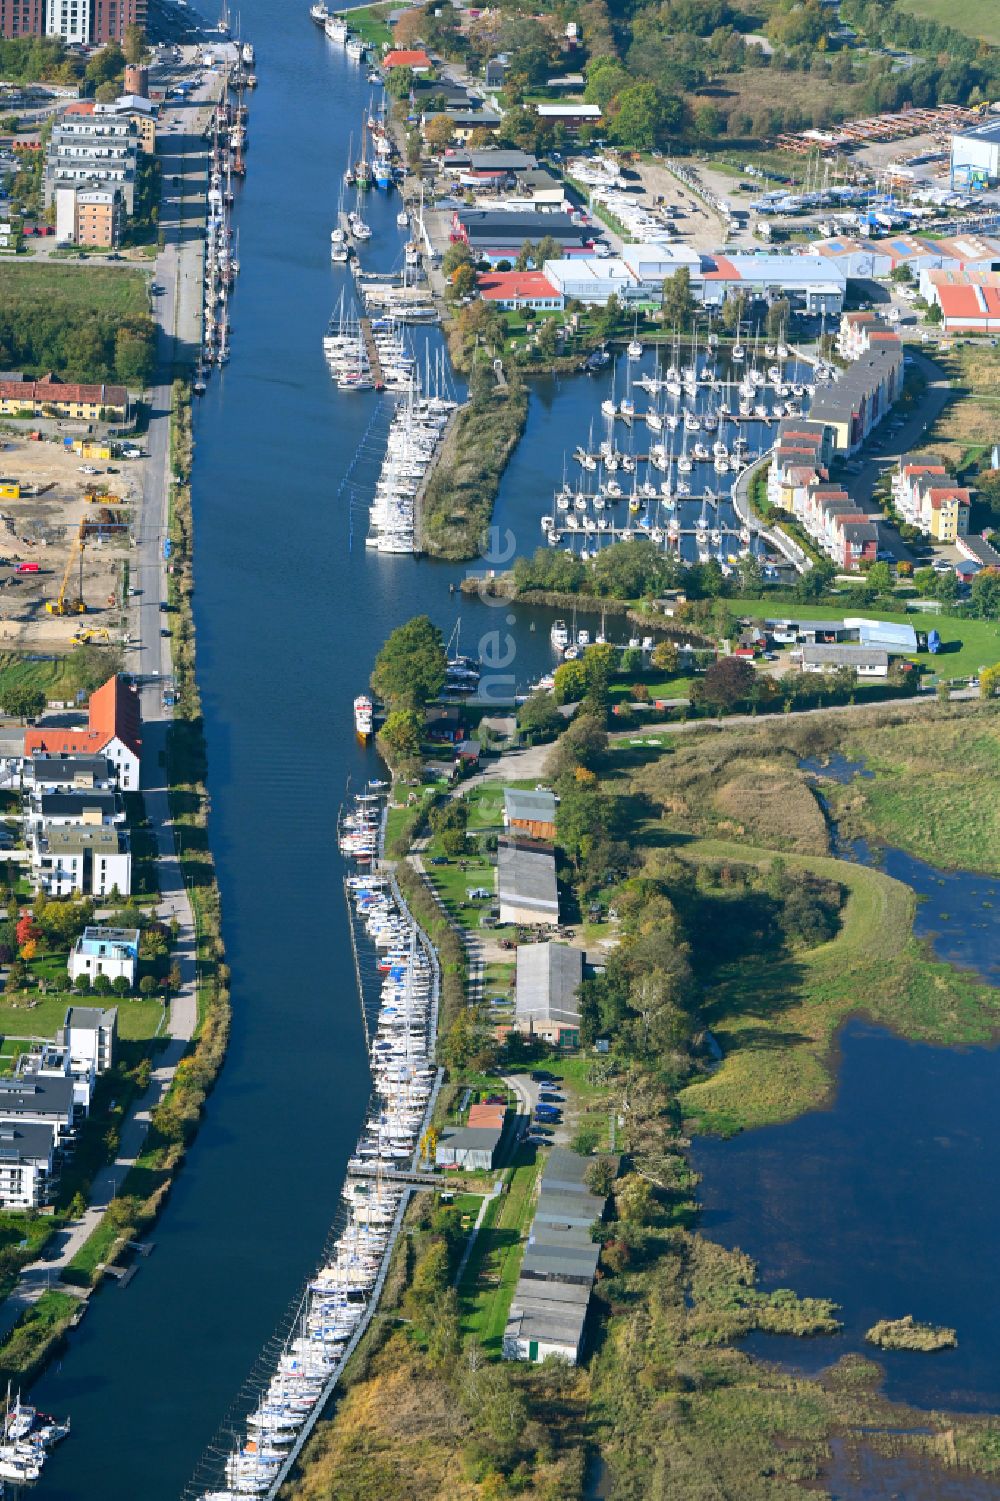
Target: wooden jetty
pixel 374 358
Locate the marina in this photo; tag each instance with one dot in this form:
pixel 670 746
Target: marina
pixel 398 983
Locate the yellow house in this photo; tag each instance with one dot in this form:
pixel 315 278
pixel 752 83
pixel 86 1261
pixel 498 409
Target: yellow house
pixel 945 512
pixel 10 489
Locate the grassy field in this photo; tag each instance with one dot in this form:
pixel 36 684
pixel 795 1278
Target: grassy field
pixel 776 1021
pixel 97 289
pixel 491 1275
pixel 372 23
pixel 930 794
pixel 41 1017
pixel 978 18
pixel 967 645
pixel 54 675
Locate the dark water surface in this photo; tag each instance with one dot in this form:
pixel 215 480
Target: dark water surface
pixel 885 1202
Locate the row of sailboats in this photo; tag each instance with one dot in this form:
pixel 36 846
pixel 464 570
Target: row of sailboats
pixel 338 1298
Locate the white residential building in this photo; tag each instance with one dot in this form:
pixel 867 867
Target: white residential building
pixel 26 1164
pixel 113 952
pixel 89 1034
pixel 81 859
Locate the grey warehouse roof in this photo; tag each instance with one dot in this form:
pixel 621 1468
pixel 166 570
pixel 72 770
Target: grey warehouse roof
pixel 548 978
pixel 527 878
pixel 844 655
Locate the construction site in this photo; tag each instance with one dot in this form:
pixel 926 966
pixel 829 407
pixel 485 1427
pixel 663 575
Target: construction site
pixel 66 512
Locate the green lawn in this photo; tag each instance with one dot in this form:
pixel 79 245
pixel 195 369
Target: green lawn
pixel 978 18
pixel 54 675
pixel 927 792
pixel 72 289
pixel 372 23
pixel 967 644
pixel 41 1016
pixel 492 1272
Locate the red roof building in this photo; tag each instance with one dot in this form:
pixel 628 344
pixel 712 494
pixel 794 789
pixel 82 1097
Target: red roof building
pixel 520 289
pixel 415 59
pixel 37 397
pixel 114 729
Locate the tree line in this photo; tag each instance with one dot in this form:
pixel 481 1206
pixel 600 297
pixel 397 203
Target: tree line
pixel 83 344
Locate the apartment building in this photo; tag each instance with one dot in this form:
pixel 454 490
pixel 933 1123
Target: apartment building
pixel 92 150
pixel 89 213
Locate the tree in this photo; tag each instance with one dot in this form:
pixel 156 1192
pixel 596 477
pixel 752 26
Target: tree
pixel 585 744
pixel 438 132
pixel 82 984
pixel 120 985
pixel 147 985
pixel 21 701
pixel 707 120
pixel 777 316
pixel 569 682
pixel 463 282
pixel 134 45
pixel 646 116
pixel 105 66
pixel 734 310
pixel 102 985
pixel 410 669
pixel 989 681
pixel 399 738
pixel 986 594
pixel 450 822
pixel 457 254
pixel 547 249
pixel 665 656
pixel 539 715
pixel 946 587
pixel 678 301
pixel 399 82
pixel 525 256
pixel 727 682
pixel 879 578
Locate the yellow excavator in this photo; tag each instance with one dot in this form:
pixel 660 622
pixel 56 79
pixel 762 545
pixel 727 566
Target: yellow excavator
pixel 89 633
pixel 63 605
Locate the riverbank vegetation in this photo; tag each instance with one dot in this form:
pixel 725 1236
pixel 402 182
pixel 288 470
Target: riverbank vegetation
pixel 84 323
pixel 907 1334
pixel 457 504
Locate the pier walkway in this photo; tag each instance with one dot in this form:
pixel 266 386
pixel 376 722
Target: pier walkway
pixel 371 349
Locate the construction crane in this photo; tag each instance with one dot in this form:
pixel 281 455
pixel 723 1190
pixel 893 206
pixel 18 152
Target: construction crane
pixel 61 605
